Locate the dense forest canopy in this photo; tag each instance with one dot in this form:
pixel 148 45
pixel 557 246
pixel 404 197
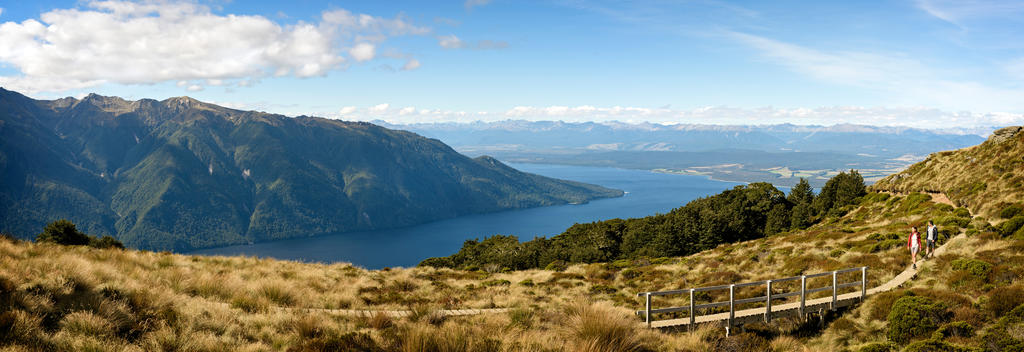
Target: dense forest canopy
pixel 742 213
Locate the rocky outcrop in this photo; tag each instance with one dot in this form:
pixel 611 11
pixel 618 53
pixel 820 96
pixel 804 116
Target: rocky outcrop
pixel 1005 134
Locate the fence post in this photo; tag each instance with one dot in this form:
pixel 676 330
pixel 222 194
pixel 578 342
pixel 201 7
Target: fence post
pixel 648 309
pixel 803 296
pixel 833 306
pixel 863 283
pixel 768 304
pixel 732 304
pixel 692 313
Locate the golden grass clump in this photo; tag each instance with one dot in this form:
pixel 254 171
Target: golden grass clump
pixel 599 327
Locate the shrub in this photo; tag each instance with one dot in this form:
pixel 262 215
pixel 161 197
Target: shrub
pixel 836 253
pixel 527 283
pixel 438 262
pixel 496 282
pixel 876 347
pixel 881 237
pixel 886 245
pixel 558 265
pixel 934 346
pixel 63 232
pixel 956 328
pixel 1011 226
pixel 599 289
pixel 630 274
pixel 105 242
pixel 1003 336
pixel 1011 211
pixel 977 268
pixel 953 221
pixel 1003 299
pixel 914 316
pixel 962 212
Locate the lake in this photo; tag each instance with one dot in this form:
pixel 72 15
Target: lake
pixel 648 193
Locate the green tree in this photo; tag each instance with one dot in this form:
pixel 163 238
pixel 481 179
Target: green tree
pixel 802 216
pixel 839 191
pixel 62 232
pixel 802 193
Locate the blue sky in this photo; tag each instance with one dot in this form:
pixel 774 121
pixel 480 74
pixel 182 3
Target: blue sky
pixel 924 63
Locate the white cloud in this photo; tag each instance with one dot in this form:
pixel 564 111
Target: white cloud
pixel 451 42
pixel 346 110
pixel 194 88
pixel 903 80
pixel 917 117
pixel 470 4
pixel 957 12
pixel 155 41
pixel 411 64
pixel 1 11
pixel 363 52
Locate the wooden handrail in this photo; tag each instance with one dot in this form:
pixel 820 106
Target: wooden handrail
pixel 767 298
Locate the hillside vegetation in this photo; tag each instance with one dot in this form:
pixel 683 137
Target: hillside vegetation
pixel 743 213
pixel 987 177
pixel 82 298
pixel 181 174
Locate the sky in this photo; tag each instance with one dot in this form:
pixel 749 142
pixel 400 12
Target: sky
pixel 917 63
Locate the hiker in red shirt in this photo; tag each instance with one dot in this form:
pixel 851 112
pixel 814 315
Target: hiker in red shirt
pixel 914 243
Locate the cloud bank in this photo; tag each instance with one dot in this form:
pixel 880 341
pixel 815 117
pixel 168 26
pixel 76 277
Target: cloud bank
pixel 919 117
pixel 151 42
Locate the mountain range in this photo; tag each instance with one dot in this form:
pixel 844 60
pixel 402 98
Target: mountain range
pixel 520 135
pixel 779 154
pixel 180 174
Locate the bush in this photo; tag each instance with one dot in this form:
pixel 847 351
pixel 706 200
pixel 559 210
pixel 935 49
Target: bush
pixel 956 328
pixel 876 347
pixel 63 232
pixel 438 262
pixel 599 289
pixel 1003 336
pixel 105 242
pixel 914 316
pixel 1011 226
pixel 934 346
pixel 1011 211
pixel 881 237
pixel 977 268
pixel 1003 299
pixel 886 245
pixel 496 282
pixel 962 212
pixel 953 221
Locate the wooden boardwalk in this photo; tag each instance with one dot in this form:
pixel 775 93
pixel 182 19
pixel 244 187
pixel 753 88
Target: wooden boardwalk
pixel 769 311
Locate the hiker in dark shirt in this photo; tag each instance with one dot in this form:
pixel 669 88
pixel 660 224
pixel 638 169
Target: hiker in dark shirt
pixel 932 237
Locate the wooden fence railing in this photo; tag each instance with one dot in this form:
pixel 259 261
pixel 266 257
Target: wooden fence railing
pixel 767 299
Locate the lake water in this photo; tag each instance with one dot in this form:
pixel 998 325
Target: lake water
pixel 648 193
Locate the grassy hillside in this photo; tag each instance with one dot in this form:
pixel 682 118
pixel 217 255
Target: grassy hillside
pixel 77 298
pixel 986 177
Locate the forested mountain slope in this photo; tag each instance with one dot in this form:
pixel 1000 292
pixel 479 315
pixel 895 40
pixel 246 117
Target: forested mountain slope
pixel 181 174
